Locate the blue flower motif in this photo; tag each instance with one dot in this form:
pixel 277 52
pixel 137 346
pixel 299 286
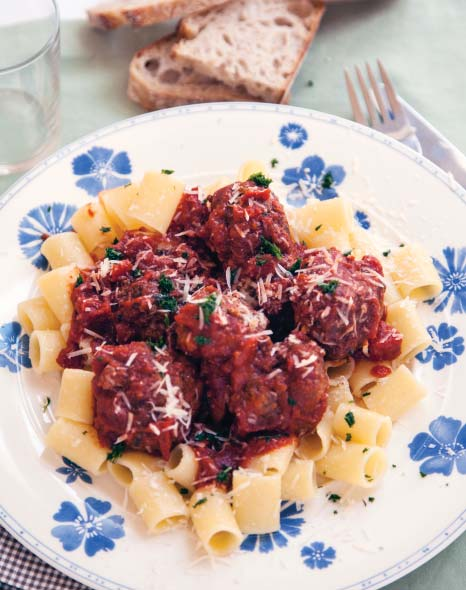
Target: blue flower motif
pixel 445 349
pixel 312 179
pixel 97 532
pixel 363 219
pixel 293 136
pixel 101 169
pixel 453 276
pixel 443 447
pixel 290 526
pixel 73 471
pixel 317 556
pixel 38 224
pixel 14 348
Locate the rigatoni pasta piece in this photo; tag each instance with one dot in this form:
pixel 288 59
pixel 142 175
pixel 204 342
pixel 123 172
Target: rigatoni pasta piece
pixel 328 238
pixel 299 481
pixel 338 393
pixel 214 521
pixel 44 348
pixel 366 374
pixel 65 330
pixel 79 443
pixel 158 501
pixel 131 465
pixel 414 273
pixel 353 463
pixel 396 394
pixel 94 227
pixel 275 461
pixel 75 399
pixel 337 369
pixel 156 201
pixel 249 168
pixel 56 286
pixel 66 248
pixel 356 424
pixel 256 501
pixel 183 466
pixel 35 314
pixel 116 203
pixel 314 446
pixel 403 316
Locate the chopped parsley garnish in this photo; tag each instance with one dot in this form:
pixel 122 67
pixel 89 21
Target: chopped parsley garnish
pixel 84 432
pixel 327 180
pixel 386 253
pixel 184 491
pixel 295 266
pixel 260 261
pixel 113 254
pixel 222 476
pixel 273 162
pixel 366 393
pixel 154 344
pixel 371 498
pixel 402 245
pixel 335 512
pixel 165 285
pixel 201 340
pixel 167 171
pixel 422 474
pixel 365 450
pixel 368 477
pixel 116 452
pixel 347 253
pixel 394 465
pixel 348 436
pixel 79 281
pixel 291 401
pixel 166 321
pixel 349 419
pixel 208 307
pixel 136 273
pixel 334 498
pixel 259 179
pixel 310 83
pixel 267 247
pixel 105 229
pixel 199 502
pixel 167 302
pixel 115 241
pixel 210 438
pixel 127 184
pixel 184 255
pixel 329 287
pixel 49 208
pixel 317 227
pixel 46 404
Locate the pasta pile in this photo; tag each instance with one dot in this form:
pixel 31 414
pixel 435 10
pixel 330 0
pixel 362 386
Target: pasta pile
pixel 365 397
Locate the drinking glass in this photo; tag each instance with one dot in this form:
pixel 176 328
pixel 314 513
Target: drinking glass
pixel 29 82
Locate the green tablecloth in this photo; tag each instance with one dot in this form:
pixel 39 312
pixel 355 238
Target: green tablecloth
pixel 422 43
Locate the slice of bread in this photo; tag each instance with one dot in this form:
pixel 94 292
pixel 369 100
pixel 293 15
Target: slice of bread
pixel 157 81
pixel 141 13
pixel 258 44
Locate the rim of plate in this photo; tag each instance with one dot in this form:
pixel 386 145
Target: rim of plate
pixel 445 537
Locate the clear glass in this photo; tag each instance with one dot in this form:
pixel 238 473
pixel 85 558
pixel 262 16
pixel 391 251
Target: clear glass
pixel 29 82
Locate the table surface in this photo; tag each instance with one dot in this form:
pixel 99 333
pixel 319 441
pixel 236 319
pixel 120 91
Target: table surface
pixel 421 42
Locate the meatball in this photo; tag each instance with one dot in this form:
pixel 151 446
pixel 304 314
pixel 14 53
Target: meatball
pixel 386 346
pixel 143 399
pixel 339 300
pixel 190 216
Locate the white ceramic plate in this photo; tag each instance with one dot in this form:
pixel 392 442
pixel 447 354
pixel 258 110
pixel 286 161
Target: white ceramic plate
pixel 395 191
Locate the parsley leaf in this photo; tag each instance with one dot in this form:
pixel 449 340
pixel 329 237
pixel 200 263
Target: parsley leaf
pixel 273 162
pixel 422 474
pixel 371 498
pixel 386 253
pixel 222 476
pixel 45 404
pixel 291 401
pixel 349 419
pixel 201 340
pixel 209 306
pixel 329 287
pixel 167 303
pixel 366 393
pixel 365 450
pixel 184 491
pixel 104 229
pixel 116 452
pixel 113 254
pixel 267 247
pixel 79 281
pixel 317 227
pixel 136 273
pixel 184 255
pixel 348 436
pixel 199 502
pixel 259 179
pixel 165 285
pixel 166 171
pixel 347 253
pixel 260 261
pixel 154 344
pixel 334 498
pixel 295 266
pixel 327 180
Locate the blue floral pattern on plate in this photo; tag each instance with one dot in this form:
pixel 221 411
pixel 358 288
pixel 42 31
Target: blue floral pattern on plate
pixel 442 448
pixel 453 276
pixel 38 224
pixel 73 472
pixel 445 349
pixel 316 555
pixel 312 179
pixel 14 347
pixel 362 219
pixel 293 136
pixel 290 526
pixel 95 529
pixel 100 168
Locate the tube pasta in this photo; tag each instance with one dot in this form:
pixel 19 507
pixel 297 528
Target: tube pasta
pixel 182 466
pixel 158 501
pixel 132 465
pixel 116 203
pixel 65 248
pixel 35 314
pixel 396 394
pixel 404 317
pixel 94 227
pixel 44 348
pixel 79 443
pixel 363 378
pixel 328 238
pixel 256 501
pixel 369 428
pixel 75 400
pixel 56 286
pixel 249 168
pixel 65 330
pixel 214 521
pixel 314 446
pixel 354 463
pixel 337 369
pixel 414 273
pixel 339 392
pixel 275 461
pixel 299 481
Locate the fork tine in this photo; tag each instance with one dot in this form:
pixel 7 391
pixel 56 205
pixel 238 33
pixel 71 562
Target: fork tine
pixel 378 96
pixel 357 112
pixel 367 98
pixel 391 94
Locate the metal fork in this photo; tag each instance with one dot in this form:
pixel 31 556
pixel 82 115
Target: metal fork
pixel 385 112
